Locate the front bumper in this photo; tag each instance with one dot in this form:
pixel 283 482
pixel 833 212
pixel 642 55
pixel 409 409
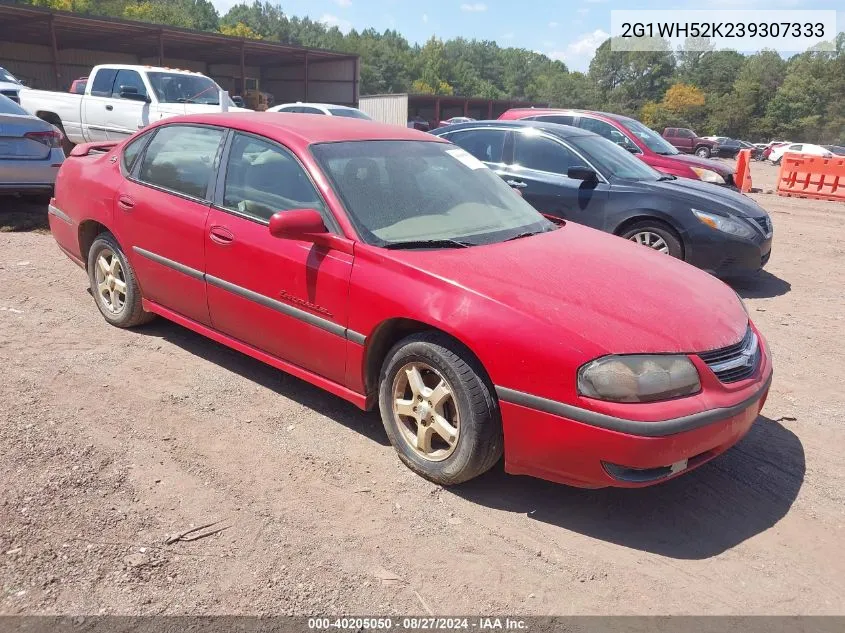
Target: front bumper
pixel 724 255
pixel 541 442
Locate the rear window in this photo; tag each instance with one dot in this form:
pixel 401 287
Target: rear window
pixel 7 106
pixel 349 113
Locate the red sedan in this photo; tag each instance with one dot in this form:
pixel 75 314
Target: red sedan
pixel 394 270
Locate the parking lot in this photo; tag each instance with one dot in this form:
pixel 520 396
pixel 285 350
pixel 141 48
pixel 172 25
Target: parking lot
pixel 114 440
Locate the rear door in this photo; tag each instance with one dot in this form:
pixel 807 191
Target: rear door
pixel 125 115
pixel 161 210
pixel 95 105
pixel 286 297
pixel 538 169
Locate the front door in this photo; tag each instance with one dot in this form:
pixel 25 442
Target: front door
pixel 286 297
pixel 127 115
pixel 538 170
pixel 160 216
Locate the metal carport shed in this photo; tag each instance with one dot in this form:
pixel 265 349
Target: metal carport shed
pixel 49 49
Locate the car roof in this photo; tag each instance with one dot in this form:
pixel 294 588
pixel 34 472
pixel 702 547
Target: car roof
pixel 314 105
pixel 561 131
pixel 305 129
pixel 543 111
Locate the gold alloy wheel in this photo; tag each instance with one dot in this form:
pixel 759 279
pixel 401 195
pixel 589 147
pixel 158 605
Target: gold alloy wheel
pixel 425 411
pixel 111 285
pixel 651 240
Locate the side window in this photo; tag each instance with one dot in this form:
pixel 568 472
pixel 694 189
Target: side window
pixel 131 151
pixel 485 145
pixel 670 131
pixel 607 131
pixel 181 158
pixel 103 82
pixel 562 119
pixel 686 134
pixel 291 110
pixel 128 79
pixel 263 179
pixel 544 154
pixel 797 148
pixel 307 110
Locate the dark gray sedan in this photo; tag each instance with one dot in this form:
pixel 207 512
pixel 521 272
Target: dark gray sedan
pixel 30 151
pixel 573 174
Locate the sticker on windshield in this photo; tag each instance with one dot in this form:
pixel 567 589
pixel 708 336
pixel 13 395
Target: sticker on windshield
pixel 466 158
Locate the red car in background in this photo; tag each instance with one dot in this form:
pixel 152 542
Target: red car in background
pixel 638 139
pixel 393 269
pixel 78 86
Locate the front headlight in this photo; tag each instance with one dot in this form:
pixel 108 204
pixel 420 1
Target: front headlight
pixel 708 175
pixel 641 378
pixel 725 224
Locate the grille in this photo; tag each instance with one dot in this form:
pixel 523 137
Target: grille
pixel 12 94
pixel 734 362
pixel 765 223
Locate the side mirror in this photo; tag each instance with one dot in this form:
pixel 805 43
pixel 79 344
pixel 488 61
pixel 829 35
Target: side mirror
pixel 131 93
pixel 297 224
pixel 581 172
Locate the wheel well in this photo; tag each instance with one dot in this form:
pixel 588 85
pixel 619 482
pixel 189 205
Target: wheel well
pixel 88 232
pixel 51 117
pixel 627 224
pixel 386 335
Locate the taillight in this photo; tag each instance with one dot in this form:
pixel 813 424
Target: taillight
pixel 50 138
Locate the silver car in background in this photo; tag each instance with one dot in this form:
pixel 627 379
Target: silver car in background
pixel 30 151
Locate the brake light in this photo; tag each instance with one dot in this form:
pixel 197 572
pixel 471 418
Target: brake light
pixel 50 138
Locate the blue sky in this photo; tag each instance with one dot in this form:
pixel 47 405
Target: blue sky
pixel 569 31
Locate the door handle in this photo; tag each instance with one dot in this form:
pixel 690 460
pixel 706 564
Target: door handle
pixel 221 235
pixel 126 203
pixel 109 108
pixel 516 184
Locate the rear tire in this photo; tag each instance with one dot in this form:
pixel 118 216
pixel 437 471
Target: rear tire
pixel 702 152
pixel 431 391
pixel 113 284
pixel 655 235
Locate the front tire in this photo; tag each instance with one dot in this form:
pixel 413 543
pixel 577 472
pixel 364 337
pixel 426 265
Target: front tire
pixel 439 411
pixel 113 284
pixel 657 236
pixel 703 152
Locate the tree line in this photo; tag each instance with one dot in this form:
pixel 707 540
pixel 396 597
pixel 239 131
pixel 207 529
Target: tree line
pixel 757 97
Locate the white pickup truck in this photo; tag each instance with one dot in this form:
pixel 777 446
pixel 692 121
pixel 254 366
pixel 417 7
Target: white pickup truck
pixel 120 99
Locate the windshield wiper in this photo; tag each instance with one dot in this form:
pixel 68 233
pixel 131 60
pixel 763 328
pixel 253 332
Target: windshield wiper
pixel 430 244
pixel 529 234
pixel 667 177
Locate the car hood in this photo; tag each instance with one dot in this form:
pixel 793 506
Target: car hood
pixel 706 196
pixel 705 163
pixel 595 290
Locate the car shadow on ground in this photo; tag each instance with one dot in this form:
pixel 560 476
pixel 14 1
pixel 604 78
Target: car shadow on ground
pixel 367 424
pixel 23 214
pixel 764 285
pixel 698 515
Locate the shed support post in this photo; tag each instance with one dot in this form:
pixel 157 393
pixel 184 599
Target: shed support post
pixel 54 47
pixel 161 48
pixel 306 79
pixel 243 68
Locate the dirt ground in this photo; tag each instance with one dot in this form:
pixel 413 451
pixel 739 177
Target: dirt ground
pixel 112 440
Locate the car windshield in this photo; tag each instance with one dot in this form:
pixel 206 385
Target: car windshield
pixel 652 139
pixel 5 75
pixel 611 160
pixel 182 88
pixel 351 113
pixel 420 191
